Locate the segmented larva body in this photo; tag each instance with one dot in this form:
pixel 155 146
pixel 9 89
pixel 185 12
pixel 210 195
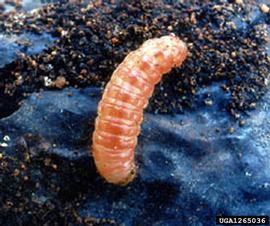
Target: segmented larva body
pixel 120 112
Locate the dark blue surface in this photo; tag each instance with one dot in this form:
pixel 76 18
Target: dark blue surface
pixel 190 167
pixel 10 45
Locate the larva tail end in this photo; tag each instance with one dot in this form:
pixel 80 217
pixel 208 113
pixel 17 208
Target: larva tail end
pixel 129 178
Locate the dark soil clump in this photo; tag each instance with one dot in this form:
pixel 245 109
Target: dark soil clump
pixel 34 187
pixel 226 44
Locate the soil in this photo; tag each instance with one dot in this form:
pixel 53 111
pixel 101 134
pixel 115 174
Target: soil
pixel 227 44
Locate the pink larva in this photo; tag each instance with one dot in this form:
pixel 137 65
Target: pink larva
pixel 120 112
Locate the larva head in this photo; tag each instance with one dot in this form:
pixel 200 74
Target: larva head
pixel 165 52
pixel 176 47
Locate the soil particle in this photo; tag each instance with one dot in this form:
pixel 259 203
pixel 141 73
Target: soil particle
pixel 239 2
pixel 60 82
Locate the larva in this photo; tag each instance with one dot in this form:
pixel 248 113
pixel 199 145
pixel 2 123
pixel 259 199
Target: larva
pixel 120 112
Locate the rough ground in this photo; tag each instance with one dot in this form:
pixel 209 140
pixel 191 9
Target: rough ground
pixel 204 163
pixel 227 43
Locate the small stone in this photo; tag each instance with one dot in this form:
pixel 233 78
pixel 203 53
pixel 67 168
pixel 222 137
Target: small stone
pixel 239 2
pixel 231 130
pixel 232 25
pixel 217 7
pixel 264 8
pixel 6 138
pixel 16 173
pixel 54 166
pixel 208 102
pixel 47 161
pixel 64 33
pixel 54 53
pixel 3 145
pixel 60 82
pixel 23 167
pixel 47 81
pixel 252 105
pixel 170 28
pixel 233 54
pixel 115 40
pixel 242 123
pixel 88 23
pixel 193 18
pixel 83 72
pixel 266 82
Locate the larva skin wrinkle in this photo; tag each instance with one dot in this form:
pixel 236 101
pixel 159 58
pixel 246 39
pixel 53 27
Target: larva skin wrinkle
pixel 120 112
